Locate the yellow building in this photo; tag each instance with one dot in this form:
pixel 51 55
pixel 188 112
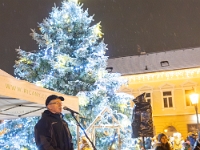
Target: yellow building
pixel 167 78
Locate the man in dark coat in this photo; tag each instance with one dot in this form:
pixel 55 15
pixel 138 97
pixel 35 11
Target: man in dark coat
pixel 51 131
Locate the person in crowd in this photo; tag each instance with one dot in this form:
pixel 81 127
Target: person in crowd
pixel 51 131
pixel 148 143
pixel 177 144
pixel 171 142
pixel 197 143
pixel 142 148
pixel 153 141
pixel 84 144
pixel 162 143
pixel 138 144
pixel 192 139
pixel 186 146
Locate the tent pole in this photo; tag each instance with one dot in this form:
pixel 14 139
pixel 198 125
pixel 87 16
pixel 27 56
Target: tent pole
pixel 78 134
pixel 31 111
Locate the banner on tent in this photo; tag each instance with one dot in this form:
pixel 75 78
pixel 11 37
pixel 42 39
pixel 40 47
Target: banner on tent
pixel 23 90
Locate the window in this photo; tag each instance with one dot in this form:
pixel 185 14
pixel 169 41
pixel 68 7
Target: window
pixel 187 97
pixel 167 99
pixel 164 63
pixel 148 97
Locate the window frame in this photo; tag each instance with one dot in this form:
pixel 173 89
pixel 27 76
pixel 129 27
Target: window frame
pixel 172 97
pixel 164 88
pixel 168 103
pixel 188 85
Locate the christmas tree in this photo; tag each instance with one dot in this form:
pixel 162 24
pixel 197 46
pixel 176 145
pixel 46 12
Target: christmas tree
pixel 18 134
pixel 71 60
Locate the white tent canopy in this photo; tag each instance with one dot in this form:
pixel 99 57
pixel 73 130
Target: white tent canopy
pixel 19 98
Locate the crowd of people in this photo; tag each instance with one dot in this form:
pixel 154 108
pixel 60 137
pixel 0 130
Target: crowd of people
pixel 164 142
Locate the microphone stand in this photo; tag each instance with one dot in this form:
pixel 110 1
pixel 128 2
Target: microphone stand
pixel 94 148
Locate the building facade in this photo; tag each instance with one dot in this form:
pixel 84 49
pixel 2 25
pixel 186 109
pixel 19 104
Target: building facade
pixel 167 78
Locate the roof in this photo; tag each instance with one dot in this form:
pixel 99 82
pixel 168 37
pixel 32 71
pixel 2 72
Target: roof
pixel 154 62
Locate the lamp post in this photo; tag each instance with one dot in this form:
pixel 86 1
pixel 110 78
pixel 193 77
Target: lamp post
pixel 194 99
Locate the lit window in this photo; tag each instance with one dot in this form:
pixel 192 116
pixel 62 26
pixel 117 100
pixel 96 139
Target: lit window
pixel 167 99
pixel 187 97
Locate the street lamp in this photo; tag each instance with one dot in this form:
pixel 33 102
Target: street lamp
pixel 194 100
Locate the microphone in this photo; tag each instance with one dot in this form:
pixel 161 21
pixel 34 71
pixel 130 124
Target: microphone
pixel 68 109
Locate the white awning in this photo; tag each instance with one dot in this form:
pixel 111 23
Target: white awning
pixel 19 98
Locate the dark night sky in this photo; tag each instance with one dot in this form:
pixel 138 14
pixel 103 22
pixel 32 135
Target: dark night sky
pixel 128 25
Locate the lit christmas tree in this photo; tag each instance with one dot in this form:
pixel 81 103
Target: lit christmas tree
pixel 71 60
pixel 18 134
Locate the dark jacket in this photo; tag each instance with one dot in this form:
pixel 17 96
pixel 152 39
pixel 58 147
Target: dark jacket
pixel 160 146
pixel 197 145
pixel 52 133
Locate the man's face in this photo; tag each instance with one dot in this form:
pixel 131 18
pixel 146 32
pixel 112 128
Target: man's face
pixel 55 106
